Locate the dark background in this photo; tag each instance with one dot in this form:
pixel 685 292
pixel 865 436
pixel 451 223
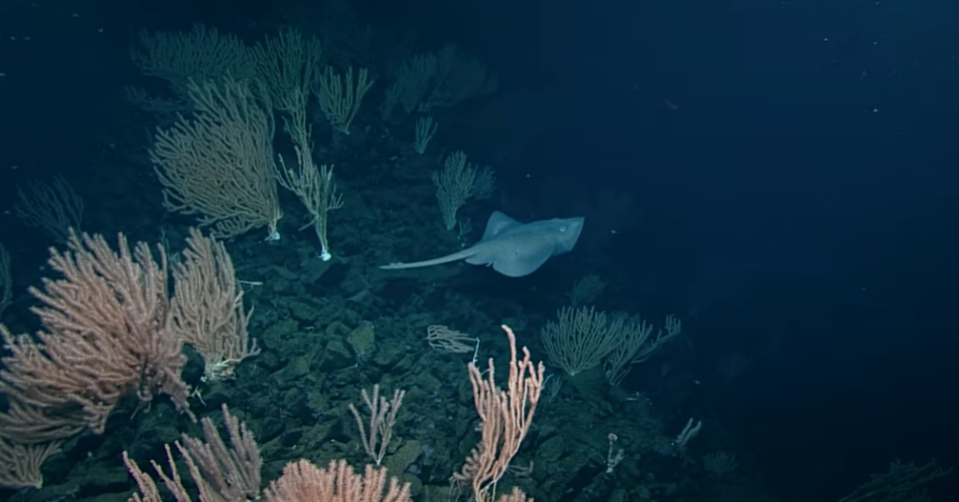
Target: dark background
pixel 795 162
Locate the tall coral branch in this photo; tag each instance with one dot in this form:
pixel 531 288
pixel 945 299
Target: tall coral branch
pixel 218 164
pixel 505 419
pixel 106 334
pixel 207 310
